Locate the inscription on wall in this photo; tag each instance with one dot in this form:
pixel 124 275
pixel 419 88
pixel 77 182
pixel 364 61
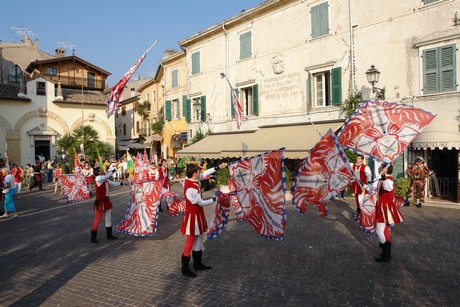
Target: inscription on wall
pixel 281 86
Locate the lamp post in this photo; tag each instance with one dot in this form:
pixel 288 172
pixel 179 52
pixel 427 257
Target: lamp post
pixel 373 75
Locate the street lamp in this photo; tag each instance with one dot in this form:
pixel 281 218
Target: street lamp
pixel 373 75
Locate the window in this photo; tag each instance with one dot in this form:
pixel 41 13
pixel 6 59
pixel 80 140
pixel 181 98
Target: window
pixel 320 20
pixel 186 108
pixel 41 88
pixel 196 63
pixel 176 109
pixel 51 71
pixel 429 1
pixel 199 109
pixel 138 127
pixel 326 88
pixel 15 75
pixel 174 78
pixel 124 129
pixel 123 110
pixel 245 45
pixel 439 73
pixel 91 80
pixel 249 100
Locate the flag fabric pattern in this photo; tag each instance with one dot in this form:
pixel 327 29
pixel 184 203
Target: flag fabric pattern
pixel 260 187
pixel 117 90
pixel 382 130
pixel 324 174
pixel 76 162
pixel 141 217
pixel 236 105
pixel 219 215
pixel 367 218
pixel 176 203
pixel 75 187
pixel 233 197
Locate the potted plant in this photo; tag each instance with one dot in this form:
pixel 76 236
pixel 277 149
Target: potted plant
pixel 222 177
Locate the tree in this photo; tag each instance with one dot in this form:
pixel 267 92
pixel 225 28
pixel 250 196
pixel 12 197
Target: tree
pixel 350 104
pixel 88 136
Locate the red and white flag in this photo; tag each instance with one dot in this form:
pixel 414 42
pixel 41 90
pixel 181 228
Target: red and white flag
pixel 236 105
pixel 117 90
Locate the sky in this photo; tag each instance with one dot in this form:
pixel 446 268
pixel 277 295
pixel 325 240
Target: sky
pixel 113 34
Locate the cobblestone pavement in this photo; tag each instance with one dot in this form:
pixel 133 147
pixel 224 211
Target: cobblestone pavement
pixel 47 259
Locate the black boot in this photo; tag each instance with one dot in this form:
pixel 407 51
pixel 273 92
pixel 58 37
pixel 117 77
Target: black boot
pixel 358 211
pixel 197 264
pixel 386 255
pixel 94 236
pixel 185 267
pixel 110 236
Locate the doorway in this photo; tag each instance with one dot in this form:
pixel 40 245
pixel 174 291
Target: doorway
pixel 42 148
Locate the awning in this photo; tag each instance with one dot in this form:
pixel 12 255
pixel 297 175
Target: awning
pixel 441 132
pixel 297 139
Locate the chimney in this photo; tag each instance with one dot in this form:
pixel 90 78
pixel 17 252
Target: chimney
pixel 60 52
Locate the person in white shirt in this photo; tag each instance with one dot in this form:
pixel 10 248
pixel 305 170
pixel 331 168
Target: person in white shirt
pixel 9 190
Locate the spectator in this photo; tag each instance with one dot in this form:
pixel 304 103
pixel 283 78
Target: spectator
pixel 9 190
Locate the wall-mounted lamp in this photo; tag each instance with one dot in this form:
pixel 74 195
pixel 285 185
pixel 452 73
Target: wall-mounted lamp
pixel 373 75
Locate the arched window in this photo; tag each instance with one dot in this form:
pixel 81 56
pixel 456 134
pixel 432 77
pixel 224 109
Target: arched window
pixel 15 74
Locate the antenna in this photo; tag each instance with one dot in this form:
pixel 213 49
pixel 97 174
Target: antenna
pixel 24 32
pixel 65 43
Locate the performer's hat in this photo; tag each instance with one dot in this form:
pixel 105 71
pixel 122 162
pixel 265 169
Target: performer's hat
pixel 419 159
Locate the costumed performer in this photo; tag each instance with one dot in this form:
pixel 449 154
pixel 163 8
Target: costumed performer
pixel 417 173
pixel 102 204
pixel 194 222
pixel 363 173
pixel 163 173
pixel 387 212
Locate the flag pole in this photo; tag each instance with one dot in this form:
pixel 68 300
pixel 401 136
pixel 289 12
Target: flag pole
pixel 311 122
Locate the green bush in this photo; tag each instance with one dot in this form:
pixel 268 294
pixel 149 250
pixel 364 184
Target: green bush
pixel 402 187
pixel 222 176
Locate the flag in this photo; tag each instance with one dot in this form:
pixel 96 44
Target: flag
pixel 77 166
pixel 236 105
pixel 382 130
pixel 220 213
pixel 141 217
pixel 130 163
pixel 260 186
pixel 325 173
pixel 75 187
pixel 101 164
pixel 117 90
pixel 82 151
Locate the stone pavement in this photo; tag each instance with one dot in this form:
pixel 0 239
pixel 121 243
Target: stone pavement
pixel 46 259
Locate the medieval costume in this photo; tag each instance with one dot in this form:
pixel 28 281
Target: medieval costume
pixel 387 212
pixel 417 173
pixel 364 174
pixel 102 204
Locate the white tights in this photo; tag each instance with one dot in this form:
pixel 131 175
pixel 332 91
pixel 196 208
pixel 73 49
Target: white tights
pixel 198 245
pixel 380 232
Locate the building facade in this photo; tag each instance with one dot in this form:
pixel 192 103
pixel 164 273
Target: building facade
pixel 295 62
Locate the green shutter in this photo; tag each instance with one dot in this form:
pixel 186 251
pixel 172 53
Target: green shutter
pixel 429 1
pixel 174 77
pixel 430 71
pixel 324 18
pixel 320 19
pixel 447 68
pixel 168 109
pixel 308 93
pixel 189 111
pixel 336 80
pixel 245 45
pixel 184 106
pixel 255 100
pixel 195 62
pixel 203 108
pixel 231 101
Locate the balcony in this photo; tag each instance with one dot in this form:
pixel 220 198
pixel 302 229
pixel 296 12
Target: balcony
pixel 76 82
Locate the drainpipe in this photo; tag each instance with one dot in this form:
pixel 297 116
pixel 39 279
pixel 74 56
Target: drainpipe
pixel 227 96
pixel 352 56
